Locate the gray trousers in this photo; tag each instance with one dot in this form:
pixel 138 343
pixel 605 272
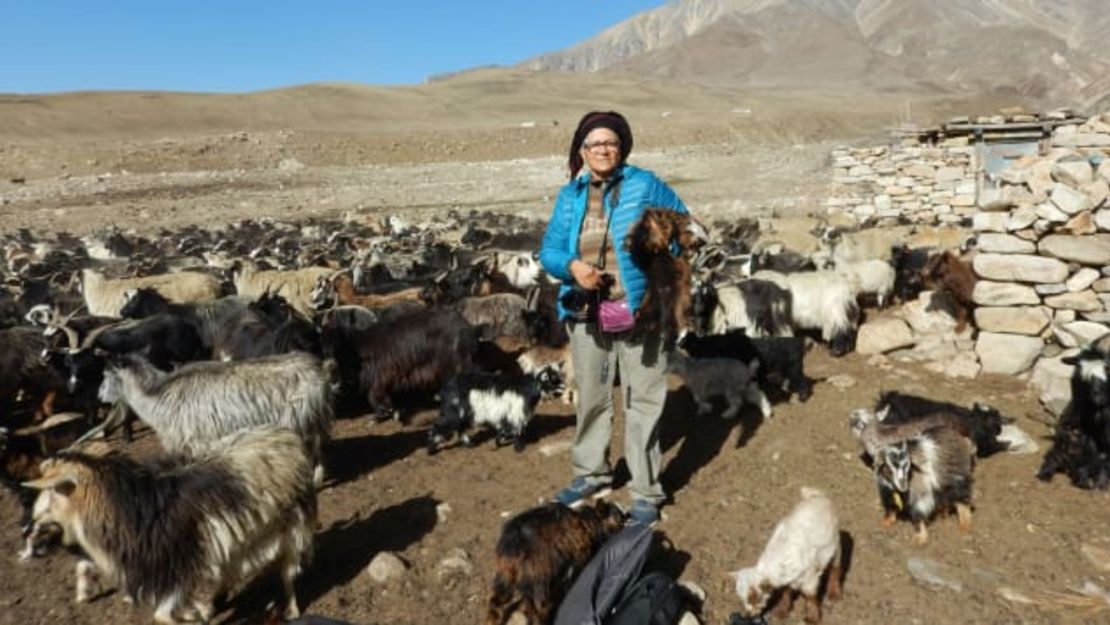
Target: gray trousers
pixel 596 357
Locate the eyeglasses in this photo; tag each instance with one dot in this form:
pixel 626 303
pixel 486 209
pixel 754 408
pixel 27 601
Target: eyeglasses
pixel 597 146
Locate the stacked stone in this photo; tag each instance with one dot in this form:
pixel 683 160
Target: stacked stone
pixel 924 184
pixel 1044 251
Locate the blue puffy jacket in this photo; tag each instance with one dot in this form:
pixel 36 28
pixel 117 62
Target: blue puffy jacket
pixel 639 190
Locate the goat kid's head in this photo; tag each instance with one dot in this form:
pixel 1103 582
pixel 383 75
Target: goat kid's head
pixel 894 466
pixel 62 483
pixel 551 381
pixel 323 294
pixel 1091 372
pixel 753 590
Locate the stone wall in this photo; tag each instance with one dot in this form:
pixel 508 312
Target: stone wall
pixel 923 184
pixel 1043 258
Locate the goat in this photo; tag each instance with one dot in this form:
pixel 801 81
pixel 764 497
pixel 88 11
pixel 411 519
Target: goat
pixel 908 265
pixel 503 402
pixel 203 401
pixel 924 474
pixel 707 378
pixel 296 286
pixel 784 261
pixel 417 353
pixel 167 529
pixel 339 290
pixel 821 300
pixel 780 358
pixel 268 327
pixel 538 357
pixel 540 553
pixel 502 312
pixel 981 423
pixel 1081 442
pixel 666 304
pixel 106 297
pixel 804 547
pixel 761 307
pixel 947 273
pixel 869 277
pixel 24 375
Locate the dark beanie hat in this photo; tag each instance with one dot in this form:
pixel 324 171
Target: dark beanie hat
pixel 599 119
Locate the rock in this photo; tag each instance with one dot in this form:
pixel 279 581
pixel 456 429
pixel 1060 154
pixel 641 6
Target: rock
pixel 1082 279
pixel 949 174
pixel 1050 289
pixel 1027 320
pixel 934 574
pixel 1102 285
pixel 1051 379
pixel 1082 140
pixel 841 381
pixel 1015 596
pixel 990 222
pixel 1007 353
pixel 1102 219
pixel 1097 191
pixel 1098 556
pixel 1021 267
pixel 963 365
pixel 883 335
pixel 1086 331
pixel 455 563
pixel 1084 301
pixel 930 313
pixel 1049 212
pixel 1083 223
pixel 989 293
pixel 556 448
pixel 290 164
pixel 1087 250
pixel 442 510
pixel 1068 199
pixel 997 243
pixel 1021 218
pixel 1073 171
pixel 1020 442
pixel 386 566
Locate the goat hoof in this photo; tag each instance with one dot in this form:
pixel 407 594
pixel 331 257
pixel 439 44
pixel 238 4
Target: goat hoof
pixel 889 520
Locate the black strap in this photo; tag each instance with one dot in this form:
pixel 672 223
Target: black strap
pixel 614 190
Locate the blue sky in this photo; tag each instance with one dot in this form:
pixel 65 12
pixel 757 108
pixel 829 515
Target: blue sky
pixel 230 45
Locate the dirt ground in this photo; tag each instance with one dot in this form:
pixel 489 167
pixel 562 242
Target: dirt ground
pixel 730 481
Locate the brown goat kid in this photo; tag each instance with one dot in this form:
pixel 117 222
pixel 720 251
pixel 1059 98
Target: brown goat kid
pixel 948 274
pixel 668 299
pixel 540 553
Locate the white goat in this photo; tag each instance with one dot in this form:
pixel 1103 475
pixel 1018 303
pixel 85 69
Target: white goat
pixel 869 277
pixel 294 286
pixel 106 297
pixel 803 546
pixel 821 300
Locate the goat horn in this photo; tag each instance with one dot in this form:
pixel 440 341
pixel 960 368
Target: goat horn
pixel 338 273
pixel 72 314
pixel 71 334
pixel 92 336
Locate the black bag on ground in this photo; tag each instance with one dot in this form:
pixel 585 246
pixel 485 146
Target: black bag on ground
pixel 655 599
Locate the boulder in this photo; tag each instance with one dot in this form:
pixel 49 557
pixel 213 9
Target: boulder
pixel 1027 320
pixel 883 335
pixel 989 293
pixel 1084 332
pixel 931 313
pixel 1084 301
pixel 997 243
pixel 990 222
pixel 1051 379
pixel 1055 288
pixel 1086 250
pixel 1068 199
pixel 386 566
pixel 1097 191
pixel 1082 279
pixel 1020 268
pixel 1007 353
pixel 1082 223
pixel 1102 219
pixel 1073 171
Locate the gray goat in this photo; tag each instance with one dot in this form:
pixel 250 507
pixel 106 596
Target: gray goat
pixel 204 401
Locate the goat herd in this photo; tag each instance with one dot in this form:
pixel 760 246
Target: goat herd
pixel 238 346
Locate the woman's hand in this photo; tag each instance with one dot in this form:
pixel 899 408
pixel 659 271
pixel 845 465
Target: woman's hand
pixel 586 275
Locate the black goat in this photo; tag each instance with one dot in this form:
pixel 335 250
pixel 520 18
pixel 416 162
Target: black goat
pixel 980 423
pixel 780 358
pixel 1081 444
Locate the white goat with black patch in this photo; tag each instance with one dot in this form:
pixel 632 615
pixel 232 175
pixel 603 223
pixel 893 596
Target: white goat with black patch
pixel 502 402
pixel 104 297
pixel 874 278
pixel 177 532
pixel 823 301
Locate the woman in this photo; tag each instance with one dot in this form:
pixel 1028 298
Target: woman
pixel 584 247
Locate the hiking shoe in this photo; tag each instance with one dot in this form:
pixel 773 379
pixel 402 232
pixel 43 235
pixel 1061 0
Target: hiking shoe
pixel 642 513
pixel 580 491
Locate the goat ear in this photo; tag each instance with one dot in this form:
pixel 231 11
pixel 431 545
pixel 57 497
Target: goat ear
pixel 64 483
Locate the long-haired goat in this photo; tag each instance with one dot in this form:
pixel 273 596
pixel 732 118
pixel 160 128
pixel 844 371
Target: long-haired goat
pixel 1081 443
pixel 167 530
pixel 874 278
pixel 502 312
pixel 928 473
pixel 760 307
pixel 540 553
pixel 948 274
pixel 295 286
pixel 650 243
pixel 107 297
pixel 981 423
pixel 203 401
pixel 729 378
pixel 804 547
pixel 824 301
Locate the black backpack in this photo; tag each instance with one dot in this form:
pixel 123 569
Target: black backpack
pixel 654 599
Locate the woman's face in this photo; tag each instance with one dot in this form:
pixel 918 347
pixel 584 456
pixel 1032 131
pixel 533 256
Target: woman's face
pixel 601 151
